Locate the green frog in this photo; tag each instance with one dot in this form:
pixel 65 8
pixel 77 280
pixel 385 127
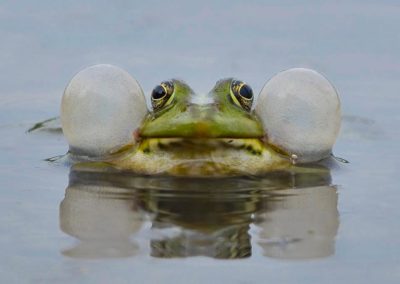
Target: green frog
pixel 105 120
pixel 191 135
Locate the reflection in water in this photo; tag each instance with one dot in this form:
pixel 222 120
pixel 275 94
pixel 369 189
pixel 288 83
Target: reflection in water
pixel 100 219
pixel 302 224
pixel 295 213
pixel 201 220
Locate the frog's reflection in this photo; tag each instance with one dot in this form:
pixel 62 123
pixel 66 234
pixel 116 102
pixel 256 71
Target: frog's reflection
pixel 204 218
pixel 294 213
pixel 102 217
pixel 302 224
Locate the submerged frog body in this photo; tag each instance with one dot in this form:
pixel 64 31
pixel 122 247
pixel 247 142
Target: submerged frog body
pixel 186 134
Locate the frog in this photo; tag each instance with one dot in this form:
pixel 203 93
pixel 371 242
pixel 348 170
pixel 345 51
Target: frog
pixel 187 134
pixel 226 132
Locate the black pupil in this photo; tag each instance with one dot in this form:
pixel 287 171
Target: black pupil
pixel 158 92
pixel 246 92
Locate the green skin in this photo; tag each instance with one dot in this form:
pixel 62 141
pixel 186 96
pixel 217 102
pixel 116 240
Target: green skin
pixel 220 119
pixel 182 138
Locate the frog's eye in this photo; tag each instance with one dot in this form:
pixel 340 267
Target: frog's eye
pixel 241 94
pixel 162 95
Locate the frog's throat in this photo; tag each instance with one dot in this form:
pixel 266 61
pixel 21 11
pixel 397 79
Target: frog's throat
pixel 200 157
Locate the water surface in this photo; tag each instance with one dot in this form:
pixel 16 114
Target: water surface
pixel 339 225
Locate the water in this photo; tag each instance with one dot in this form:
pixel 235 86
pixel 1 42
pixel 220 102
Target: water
pixel 340 226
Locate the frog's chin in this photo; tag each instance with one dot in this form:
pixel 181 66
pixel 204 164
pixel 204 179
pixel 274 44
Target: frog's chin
pixel 200 157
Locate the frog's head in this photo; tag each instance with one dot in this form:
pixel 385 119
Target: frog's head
pixel 225 112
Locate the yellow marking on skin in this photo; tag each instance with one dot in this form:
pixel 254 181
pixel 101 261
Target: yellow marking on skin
pixel 144 146
pixel 170 100
pixel 235 100
pixel 122 149
pixel 254 146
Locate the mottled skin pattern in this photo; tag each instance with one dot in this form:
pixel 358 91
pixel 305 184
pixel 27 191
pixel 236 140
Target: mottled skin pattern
pixel 221 137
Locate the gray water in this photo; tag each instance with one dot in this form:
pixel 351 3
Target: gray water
pixel 61 225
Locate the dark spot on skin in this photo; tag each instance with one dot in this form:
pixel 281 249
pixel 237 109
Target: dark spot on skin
pixel 162 146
